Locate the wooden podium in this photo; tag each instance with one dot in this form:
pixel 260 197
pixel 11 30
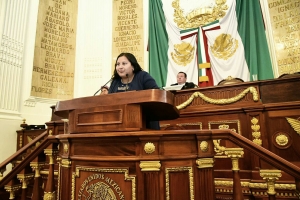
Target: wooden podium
pixel 106 153
pixel 126 111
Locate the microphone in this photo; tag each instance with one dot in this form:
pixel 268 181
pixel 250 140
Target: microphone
pixel 127 83
pixel 104 85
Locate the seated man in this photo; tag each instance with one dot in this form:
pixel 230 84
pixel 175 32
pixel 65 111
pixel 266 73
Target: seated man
pixel 181 80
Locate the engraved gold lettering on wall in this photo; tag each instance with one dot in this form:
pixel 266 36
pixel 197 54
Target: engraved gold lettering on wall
pixel 99 186
pixel 54 56
pixel 285 20
pixel 128 28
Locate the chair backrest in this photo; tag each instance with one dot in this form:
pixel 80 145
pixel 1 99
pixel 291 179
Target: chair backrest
pixel 230 80
pixel 296 74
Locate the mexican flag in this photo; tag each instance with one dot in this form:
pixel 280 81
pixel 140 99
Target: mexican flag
pixel 208 40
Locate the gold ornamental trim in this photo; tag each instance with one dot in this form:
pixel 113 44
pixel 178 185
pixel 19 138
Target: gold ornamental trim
pixel 150 166
pixel 205 163
pixel 256 131
pixel 24 178
pixel 223 125
pixel 149 147
pixel 219 149
pixel 295 124
pixel 270 176
pixel 282 140
pixel 131 178
pixel 204 146
pixel 51 153
pixel 220 101
pixel 180 169
pixel 253 185
pixel 234 154
pixel 66 163
pixel 199 16
pixel 49 195
pixel 37 166
pixel 12 190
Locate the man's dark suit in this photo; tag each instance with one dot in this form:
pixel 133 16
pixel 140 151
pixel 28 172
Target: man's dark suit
pixel 187 85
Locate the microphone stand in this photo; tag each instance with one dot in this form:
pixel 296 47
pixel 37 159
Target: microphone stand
pixel 126 88
pixel 104 85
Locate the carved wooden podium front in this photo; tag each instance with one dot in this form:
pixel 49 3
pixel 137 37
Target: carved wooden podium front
pixel 106 152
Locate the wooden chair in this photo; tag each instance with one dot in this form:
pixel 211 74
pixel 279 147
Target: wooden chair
pixel 296 74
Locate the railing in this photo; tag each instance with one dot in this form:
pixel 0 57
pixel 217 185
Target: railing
pixel 28 170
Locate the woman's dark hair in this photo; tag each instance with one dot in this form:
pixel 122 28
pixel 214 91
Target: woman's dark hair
pixel 132 60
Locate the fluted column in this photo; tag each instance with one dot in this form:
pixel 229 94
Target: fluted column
pixel 206 177
pixel 150 171
pixel 13 18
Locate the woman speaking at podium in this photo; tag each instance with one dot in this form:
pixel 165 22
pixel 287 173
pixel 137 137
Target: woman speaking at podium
pixel 128 75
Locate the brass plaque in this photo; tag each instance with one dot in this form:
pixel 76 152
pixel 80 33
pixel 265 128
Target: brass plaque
pixel 285 18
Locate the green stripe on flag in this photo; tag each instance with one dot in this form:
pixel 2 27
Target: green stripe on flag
pixel 252 32
pixel 158 43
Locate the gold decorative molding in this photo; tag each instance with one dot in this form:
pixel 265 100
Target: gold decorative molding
pixel 150 165
pixel 295 124
pixel 219 149
pixel 58 159
pixel 21 141
pixel 12 189
pixel 223 125
pixel 220 101
pixel 204 146
pixel 282 140
pixel 46 172
pixel 66 148
pixel 51 153
pixel 270 176
pixel 234 154
pixel 179 169
pixel 49 195
pixel 50 132
pixel 36 166
pixel 66 162
pixel 205 163
pixel 132 178
pixel 24 178
pixel 253 185
pixel 149 147
pixel 256 131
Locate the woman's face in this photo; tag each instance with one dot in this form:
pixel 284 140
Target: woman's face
pixel 123 67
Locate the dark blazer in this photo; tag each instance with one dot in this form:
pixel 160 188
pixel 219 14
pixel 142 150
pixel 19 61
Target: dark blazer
pixel 187 85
